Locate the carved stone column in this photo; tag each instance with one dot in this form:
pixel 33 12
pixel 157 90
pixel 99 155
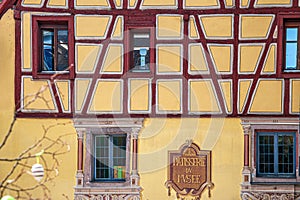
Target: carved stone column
pixel 134 177
pixel 246 169
pixel 79 175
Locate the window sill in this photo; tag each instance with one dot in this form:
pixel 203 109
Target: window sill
pixel 53 75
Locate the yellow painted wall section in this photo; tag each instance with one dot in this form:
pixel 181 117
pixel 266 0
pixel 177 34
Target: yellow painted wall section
pixel 295 96
pixel 118 3
pixel 273 2
pixel 26 42
pixel 91 25
pixel 217 26
pixel 169 58
pixel 63 88
pixel 82 86
pixel 45 101
pixel 197 60
pixel 261 24
pixel 57 3
pixel 169 26
pixel 245 3
pixel 201 3
pixel 159 3
pixel 227 94
pixel 244 87
pixel 139 95
pixel 229 3
pixel 132 3
pixel 87 56
pixel 222 57
pixel 118 29
pixel 113 59
pixel 169 95
pixel 92 3
pixel 107 97
pixel 249 58
pixel 270 62
pixel 202 97
pixel 193 29
pixel 215 134
pixel 32 2
pixel 268 97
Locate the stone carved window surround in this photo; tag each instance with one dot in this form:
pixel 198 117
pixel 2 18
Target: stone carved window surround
pixel 253 186
pixel 85 185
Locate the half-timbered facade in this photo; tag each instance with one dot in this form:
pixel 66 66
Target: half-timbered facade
pixel 146 76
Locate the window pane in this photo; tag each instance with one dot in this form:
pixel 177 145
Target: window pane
pixel 62 57
pixel 62 36
pixel 48 36
pixel 141 51
pixel 291 34
pixel 266 154
pixel 285 153
pixel 291 55
pixel 48 59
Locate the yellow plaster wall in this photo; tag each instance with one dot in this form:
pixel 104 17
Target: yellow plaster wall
pixel 107 97
pixel 32 2
pixel 273 2
pixel 268 97
pixel 87 56
pixel 57 3
pixel 295 96
pixel 169 59
pixel 139 94
pixel 249 57
pixel 201 3
pixel 226 87
pixel 229 3
pixel 244 86
pixel 113 59
pixel 91 25
pixel 270 62
pixel 118 28
pixel 26 42
pixel 63 89
pixel 222 57
pixel 217 26
pixel 261 24
pixel 132 3
pixel 169 26
pixel 169 95
pixel 197 60
pixel 159 3
pixel 45 99
pixel 81 89
pixel 192 28
pixel 222 136
pixel 202 97
pixel 32 127
pixel 91 3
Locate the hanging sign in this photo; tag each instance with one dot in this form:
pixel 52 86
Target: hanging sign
pixel 189 171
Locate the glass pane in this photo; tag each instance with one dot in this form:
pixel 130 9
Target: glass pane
pixel 48 37
pixel 62 36
pixel 102 173
pixel 291 55
pixel 102 141
pixel 266 154
pixel 48 59
pixel 141 40
pixel 62 57
pixel 291 34
pixel 285 153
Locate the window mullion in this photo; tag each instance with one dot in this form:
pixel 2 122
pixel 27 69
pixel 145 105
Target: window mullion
pixel 276 146
pixel 55 49
pixel 110 154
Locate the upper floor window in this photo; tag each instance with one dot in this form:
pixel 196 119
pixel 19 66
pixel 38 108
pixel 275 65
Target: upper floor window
pixel 110 157
pixel 140 51
pixel 53 46
pixel 291 45
pixel 276 155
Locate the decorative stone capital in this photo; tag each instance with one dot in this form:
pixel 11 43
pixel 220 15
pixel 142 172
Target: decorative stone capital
pixel 80 132
pixel 246 129
pixel 135 133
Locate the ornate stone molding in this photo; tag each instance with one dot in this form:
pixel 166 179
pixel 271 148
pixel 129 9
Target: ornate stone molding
pixel 107 197
pixel 269 196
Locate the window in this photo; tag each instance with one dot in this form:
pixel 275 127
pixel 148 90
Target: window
pixel 53 46
pixel 110 157
pixel 291 46
pixel 140 50
pixel 276 154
